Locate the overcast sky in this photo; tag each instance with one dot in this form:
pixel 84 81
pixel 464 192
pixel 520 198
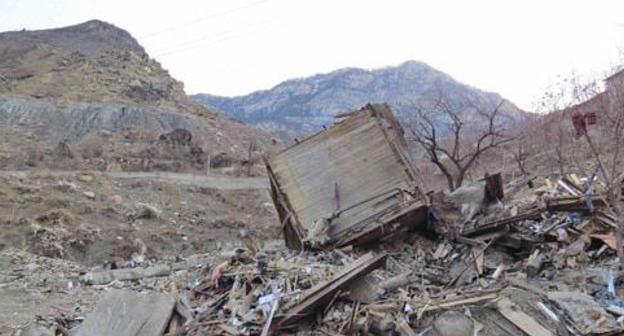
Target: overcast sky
pixel 232 47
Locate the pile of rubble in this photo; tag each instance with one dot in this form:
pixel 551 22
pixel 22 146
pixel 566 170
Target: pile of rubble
pixel 532 257
pixel 541 264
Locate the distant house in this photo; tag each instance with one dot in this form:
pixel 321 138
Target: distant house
pixel 613 93
pixel 615 82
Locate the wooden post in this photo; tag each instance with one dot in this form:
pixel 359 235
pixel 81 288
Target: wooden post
pixel 249 158
pixel 208 165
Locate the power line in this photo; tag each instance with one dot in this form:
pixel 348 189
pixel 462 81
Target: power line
pixel 211 43
pixel 212 16
pixel 194 41
pixel 198 42
pixel 204 45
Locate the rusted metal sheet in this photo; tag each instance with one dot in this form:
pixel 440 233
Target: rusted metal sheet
pixel 355 175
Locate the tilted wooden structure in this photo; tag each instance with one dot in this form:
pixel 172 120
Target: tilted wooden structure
pixel 357 175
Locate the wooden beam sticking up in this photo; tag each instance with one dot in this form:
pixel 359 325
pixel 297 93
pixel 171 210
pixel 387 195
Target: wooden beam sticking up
pixel 321 294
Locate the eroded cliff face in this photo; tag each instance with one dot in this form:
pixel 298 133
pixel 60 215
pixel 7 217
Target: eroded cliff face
pixel 72 121
pixel 119 137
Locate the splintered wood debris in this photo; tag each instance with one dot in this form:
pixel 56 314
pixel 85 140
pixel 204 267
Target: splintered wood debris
pixel 538 264
pixel 370 255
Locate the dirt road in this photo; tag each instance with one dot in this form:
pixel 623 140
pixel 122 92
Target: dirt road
pixel 222 182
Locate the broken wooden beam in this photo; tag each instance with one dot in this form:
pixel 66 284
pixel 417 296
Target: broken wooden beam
pixel 406 218
pixel 501 224
pixel 403 328
pixel 319 295
pixel 422 307
pixel 494 188
pixel 521 320
pixel 125 274
pixel 534 263
pixel 396 281
pixel 573 204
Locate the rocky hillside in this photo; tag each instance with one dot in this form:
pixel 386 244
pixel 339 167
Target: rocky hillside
pixel 91 62
pixel 70 84
pixel 304 105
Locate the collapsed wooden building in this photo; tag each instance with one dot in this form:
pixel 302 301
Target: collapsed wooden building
pixel 348 185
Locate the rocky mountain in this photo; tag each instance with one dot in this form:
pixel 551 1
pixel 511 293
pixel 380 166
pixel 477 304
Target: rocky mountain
pixel 304 105
pixel 93 61
pixel 95 80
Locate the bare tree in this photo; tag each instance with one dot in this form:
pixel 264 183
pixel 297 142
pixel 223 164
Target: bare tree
pixel 608 162
pixel 554 131
pixel 456 149
pixel 520 155
pixel 604 143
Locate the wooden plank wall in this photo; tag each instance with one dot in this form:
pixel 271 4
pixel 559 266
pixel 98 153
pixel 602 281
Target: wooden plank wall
pixel 356 156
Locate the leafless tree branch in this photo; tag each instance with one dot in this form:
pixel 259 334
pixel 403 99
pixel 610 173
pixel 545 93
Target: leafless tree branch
pixel 455 152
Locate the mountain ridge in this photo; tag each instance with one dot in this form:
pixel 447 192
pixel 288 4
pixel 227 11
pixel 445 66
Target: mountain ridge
pixel 312 101
pixel 89 34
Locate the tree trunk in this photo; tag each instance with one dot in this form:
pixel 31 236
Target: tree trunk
pixel 450 182
pixel 522 169
pixel 449 177
pixel 460 178
pixel 560 162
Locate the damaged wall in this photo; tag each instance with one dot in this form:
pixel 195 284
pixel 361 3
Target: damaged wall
pixel 351 173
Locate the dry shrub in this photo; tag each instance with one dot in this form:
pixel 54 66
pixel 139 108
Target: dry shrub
pixel 54 218
pixel 171 189
pixel 102 184
pixel 91 150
